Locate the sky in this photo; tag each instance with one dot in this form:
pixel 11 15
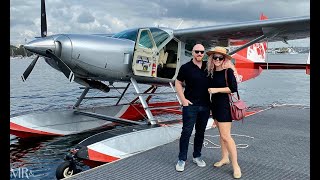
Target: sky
pixel 106 16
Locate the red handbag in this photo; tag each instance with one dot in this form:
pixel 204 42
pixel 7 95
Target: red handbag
pixel 237 106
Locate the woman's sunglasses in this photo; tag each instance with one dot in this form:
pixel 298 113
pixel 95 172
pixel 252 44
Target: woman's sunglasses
pixel 220 58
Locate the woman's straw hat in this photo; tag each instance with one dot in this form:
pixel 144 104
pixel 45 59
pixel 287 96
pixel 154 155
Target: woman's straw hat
pixel 220 50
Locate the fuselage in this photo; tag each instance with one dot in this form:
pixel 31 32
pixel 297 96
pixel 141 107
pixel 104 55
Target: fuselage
pixel 105 58
pixel 150 55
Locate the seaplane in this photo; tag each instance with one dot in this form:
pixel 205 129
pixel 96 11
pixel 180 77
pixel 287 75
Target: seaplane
pixel 147 55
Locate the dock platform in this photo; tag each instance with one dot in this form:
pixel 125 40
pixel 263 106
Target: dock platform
pixel 271 144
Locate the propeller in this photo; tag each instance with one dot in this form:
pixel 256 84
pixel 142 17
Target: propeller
pixel 43 34
pixel 29 69
pixel 63 67
pixel 43 19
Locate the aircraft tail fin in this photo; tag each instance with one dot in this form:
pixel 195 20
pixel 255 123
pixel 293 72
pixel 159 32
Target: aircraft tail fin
pixel 263 17
pixel 256 52
pixel 248 59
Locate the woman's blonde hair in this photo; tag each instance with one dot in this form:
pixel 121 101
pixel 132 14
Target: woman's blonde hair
pixel 211 67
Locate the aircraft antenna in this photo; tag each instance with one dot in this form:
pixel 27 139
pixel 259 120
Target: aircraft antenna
pixel 179 24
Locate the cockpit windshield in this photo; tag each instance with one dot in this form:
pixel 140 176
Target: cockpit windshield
pixel 158 35
pixel 127 34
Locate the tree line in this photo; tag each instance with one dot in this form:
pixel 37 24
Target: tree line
pixel 19 51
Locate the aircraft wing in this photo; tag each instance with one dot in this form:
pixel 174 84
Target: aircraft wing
pixel 280 29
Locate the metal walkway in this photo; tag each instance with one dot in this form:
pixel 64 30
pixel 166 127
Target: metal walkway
pixel 272 144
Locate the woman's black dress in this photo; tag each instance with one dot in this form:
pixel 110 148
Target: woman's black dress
pixel 219 105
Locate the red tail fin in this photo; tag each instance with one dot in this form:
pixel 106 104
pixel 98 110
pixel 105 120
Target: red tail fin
pixel 256 52
pixel 246 58
pixel 263 17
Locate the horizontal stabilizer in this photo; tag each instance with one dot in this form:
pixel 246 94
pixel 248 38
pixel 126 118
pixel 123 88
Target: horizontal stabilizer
pixel 281 66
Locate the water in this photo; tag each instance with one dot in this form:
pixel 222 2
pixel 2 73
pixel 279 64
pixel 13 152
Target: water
pixel 47 89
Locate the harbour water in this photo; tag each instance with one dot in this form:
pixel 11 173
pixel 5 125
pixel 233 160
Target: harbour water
pixel 47 89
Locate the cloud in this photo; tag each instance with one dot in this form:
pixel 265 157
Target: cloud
pixel 85 17
pixel 96 16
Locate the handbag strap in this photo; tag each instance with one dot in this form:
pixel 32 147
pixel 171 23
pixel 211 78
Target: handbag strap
pixel 226 78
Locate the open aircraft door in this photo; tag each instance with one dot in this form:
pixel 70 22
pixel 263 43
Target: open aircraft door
pixel 145 55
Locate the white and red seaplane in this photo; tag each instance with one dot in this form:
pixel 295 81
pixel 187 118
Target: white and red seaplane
pixel 146 55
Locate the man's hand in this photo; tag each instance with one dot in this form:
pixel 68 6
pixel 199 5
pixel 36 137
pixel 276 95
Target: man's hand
pixel 186 102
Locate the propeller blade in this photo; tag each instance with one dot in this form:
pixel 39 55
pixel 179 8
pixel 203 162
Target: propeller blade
pixel 63 67
pixel 29 69
pixel 43 19
pixel 43 34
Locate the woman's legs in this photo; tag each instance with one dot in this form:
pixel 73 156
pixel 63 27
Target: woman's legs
pixel 228 144
pixel 224 150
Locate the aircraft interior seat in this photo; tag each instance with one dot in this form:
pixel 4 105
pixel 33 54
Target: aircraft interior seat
pixel 171 65
pixel 172 59
pixel 163 57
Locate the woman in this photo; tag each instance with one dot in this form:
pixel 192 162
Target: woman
pixel 220 107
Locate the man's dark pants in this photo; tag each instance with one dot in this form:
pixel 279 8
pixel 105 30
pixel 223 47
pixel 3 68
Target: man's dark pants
pixel 198 116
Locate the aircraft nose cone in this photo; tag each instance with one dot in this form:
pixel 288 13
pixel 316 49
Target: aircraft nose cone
pixel 39 46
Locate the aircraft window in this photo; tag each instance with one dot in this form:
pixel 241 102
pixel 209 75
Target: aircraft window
pixel 188 53
pixel 159 35
pixel 188 49
pixel 127 34
pixel 145 40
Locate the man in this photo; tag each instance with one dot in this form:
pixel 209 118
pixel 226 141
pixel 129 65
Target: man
pixel 195 101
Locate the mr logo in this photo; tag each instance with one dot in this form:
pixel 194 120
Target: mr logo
pixel 20 173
